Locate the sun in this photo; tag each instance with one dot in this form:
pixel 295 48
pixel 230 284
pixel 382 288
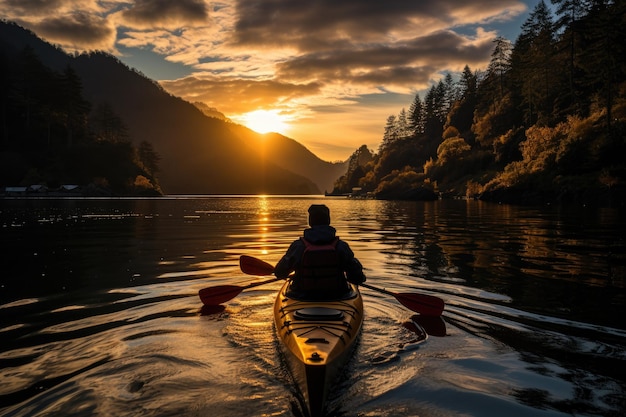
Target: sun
pixel 265 121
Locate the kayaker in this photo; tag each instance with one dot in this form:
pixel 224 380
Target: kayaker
pixel 323 263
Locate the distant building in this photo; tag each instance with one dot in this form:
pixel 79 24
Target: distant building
pixel 37 188
pixel 356 192
pixel 15 190
pixel 69 187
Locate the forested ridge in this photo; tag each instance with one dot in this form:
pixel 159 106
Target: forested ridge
pixel 112 130
pixel 545 122
pixel 52 136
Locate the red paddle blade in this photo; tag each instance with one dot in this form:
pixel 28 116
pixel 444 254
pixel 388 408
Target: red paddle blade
pixel 219 294
pixel 254 266
pixel 427 305
pixel 434 326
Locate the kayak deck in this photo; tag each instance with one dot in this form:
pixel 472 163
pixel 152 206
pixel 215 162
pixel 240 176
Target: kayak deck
pixel 317 338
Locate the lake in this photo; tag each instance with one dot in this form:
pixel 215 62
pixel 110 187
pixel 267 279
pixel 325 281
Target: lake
pixel 99 312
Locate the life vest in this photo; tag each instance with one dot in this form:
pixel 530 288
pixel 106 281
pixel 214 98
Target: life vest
pixel 319 274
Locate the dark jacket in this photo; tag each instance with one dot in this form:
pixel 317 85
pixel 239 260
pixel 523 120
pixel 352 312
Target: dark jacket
pixel 317 235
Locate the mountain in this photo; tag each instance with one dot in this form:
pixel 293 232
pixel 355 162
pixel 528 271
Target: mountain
pixel 291 155
pixel 199 154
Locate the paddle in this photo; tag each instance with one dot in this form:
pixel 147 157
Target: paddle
pixel 434 326
pixel 254 266
pixel 427 305
pixel 212 296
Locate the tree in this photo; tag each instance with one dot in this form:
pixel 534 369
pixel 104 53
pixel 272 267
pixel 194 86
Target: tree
pixel 404 130
pixel 360 157
pixel 74 107
pixel 451 92
pixel 441 101
pixel 451 149
pixel 416 116
pixel 532 58
pixel 603 57
pixel 434 111
pixel 391 133
pixel 107 125
pixel 31 91
pixel 500 64
pixel 570 13
pixel 461 113
pixel 468 82
pixel 149 158
pixel 357 170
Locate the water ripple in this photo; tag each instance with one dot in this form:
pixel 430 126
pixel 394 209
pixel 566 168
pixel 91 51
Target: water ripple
pixel 99 313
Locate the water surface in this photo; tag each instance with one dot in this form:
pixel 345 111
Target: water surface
pixel 99 313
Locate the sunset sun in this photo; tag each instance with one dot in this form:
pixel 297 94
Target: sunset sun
pixel 265 121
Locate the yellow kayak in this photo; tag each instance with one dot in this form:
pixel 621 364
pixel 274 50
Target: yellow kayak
pixel 317 339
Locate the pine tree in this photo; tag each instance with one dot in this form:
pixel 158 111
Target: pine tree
pixel 570 13
pixel 452 91
pixel 468 82
pixel 500 63
pixel 416 116
pixel 433 125
pixel 391 133
pixel 75 108
pixel 603 58
pixel 403 125
pixel 532 59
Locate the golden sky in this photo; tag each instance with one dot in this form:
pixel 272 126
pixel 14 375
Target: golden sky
pixel 327 73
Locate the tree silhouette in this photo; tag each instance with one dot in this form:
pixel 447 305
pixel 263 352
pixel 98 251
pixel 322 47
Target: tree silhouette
pixel 75 109
pixel 416 116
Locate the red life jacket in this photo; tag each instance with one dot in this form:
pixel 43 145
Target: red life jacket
pixel 319 274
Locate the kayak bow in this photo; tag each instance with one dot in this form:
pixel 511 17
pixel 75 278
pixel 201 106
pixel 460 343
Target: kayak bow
pixel 317 339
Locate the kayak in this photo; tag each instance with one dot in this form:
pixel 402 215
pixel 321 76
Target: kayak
pixel 317 339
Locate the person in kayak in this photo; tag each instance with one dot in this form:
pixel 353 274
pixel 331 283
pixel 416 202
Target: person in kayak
pixel 323 263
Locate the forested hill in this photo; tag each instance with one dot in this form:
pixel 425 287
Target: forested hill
pixel 546 122
pixel 49 138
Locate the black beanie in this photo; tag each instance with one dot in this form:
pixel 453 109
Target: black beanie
pixel 319 214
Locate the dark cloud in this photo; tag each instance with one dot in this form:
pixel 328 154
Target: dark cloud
pixel 78 30
pixel 167 13
pixel 410 63
pixel 33 6
pixel 369 42
pixel 312 21
pixel 314 24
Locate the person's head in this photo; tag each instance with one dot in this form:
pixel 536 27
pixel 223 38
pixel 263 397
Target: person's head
pixel 319 215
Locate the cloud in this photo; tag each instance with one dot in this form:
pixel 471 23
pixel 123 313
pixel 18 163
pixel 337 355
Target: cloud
pixel 77 31
pixel 239 95
pixel 33 6
pixel 75 25
pixel 148 14
pixel 322 24
pixel 406 63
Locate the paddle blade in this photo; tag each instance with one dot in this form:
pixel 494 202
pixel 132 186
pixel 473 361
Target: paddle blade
pixel 254 266
pixel 219 294
pixel 434 326
pixel 427 305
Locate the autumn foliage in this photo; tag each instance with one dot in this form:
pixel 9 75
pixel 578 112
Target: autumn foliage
pixel 546 121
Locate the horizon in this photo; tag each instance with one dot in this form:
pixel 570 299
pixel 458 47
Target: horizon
pixel 327 77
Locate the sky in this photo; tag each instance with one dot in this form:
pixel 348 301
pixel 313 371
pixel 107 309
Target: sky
pixel 327 73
